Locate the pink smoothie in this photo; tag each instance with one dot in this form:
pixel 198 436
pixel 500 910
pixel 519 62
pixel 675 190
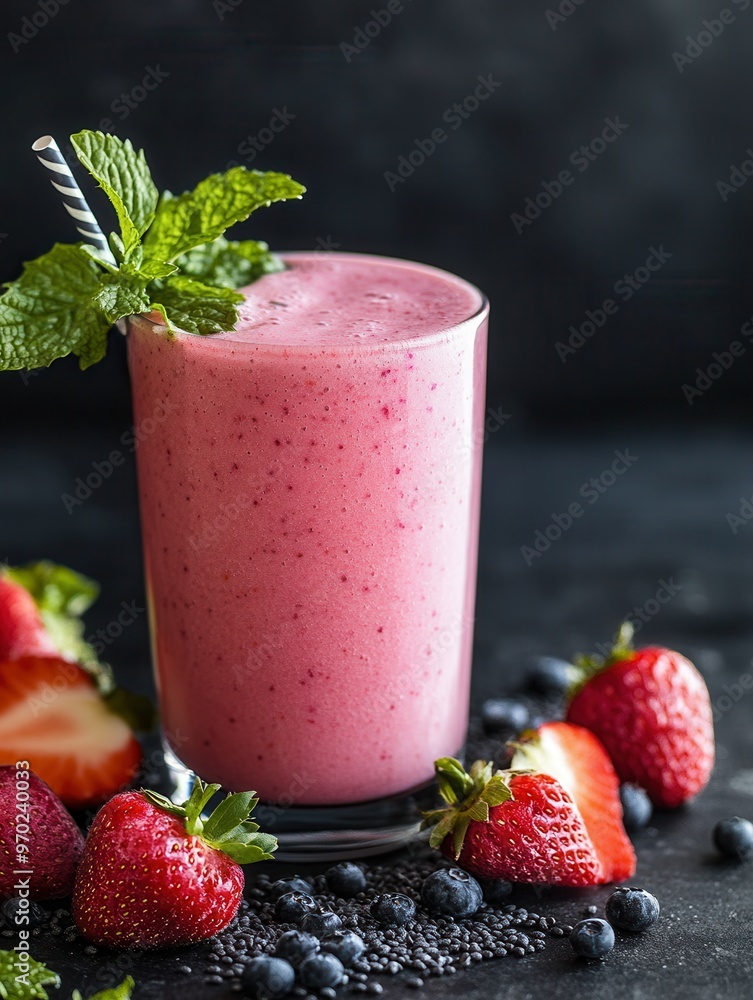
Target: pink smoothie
pixel 310 521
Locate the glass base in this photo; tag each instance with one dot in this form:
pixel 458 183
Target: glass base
pixel 327 833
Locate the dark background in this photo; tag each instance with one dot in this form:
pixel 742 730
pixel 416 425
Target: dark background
pixel 230 69
pixel 670 517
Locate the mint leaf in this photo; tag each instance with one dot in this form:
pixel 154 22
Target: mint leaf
pixel 17 984
pixel 49 312
pixel 122 992
pixel 229 264
pixel 194 307
pixel 124 176
pixel 122 294
pixel 216 203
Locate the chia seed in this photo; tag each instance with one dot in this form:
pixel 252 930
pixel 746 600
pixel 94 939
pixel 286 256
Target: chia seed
pixel 427 946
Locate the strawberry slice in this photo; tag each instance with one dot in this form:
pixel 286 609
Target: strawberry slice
pixel 516 825
pixel 578 760
pixel 22 632
pixel 52 715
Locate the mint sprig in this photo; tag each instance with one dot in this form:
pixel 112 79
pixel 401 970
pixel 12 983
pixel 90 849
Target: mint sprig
pixel 216 203
pixel 170 253
pixel 228 828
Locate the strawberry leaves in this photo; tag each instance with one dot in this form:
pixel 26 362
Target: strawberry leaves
pixel 469 797
pixel 228 828
pixel 587 666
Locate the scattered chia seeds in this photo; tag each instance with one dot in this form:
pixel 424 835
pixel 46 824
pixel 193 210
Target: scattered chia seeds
pixel 427 946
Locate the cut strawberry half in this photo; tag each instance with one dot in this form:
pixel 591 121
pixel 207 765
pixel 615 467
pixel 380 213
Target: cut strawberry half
pixel 521 826
pixel 52 715
pixel 22 632
pixel 578 760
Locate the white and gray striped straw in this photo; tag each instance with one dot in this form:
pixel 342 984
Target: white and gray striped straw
pixel 61 178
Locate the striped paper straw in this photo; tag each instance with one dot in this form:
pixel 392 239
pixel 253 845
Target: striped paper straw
pixel 61 178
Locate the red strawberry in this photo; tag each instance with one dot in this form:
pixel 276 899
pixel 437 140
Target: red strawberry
pixel 52 715
pixel 514 825
pixel 651 710
pixel 51 847
pixel 576 758
pixel 21 630
pixel 155 874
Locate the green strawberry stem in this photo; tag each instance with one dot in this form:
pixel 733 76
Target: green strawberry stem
pixel 227 829
pixel 590 666
pixel 469 797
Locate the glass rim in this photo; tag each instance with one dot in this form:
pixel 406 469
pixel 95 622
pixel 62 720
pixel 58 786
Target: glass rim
pixel 445 334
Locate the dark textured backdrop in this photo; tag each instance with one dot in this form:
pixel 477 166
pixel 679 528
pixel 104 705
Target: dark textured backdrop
pixel 229 66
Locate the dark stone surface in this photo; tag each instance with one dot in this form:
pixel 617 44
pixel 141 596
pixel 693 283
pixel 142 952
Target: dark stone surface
pixel 663 519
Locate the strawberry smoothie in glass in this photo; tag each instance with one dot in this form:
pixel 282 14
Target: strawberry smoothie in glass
pixel 310 520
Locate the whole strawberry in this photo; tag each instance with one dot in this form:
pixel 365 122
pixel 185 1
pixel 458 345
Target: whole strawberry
pixel 515 825
pixel 37 835
pixel 155 874
pixel 651 709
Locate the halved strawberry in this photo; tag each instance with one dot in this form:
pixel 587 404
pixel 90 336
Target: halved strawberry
pixel 516 825
pixel 22 632
pixel 52 715
pixel 578 760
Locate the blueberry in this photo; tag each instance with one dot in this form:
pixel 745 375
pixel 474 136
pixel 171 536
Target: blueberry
pixel 290 908
pixel 318 972
pixel 636 806
pixel 504 714
pixel 452 891
pixel 734 838
pixel 293 884
pixel 346 879
pixel 551 676
pixel 632 909
pixel 19 912
pixel 266 977
pixel 345 945
pixel 592 938
pixel 495 890
pixel 393 908
pixel 320 923
pixel 294 946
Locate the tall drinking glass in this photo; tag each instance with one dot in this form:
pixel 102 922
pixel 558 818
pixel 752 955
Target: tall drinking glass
pixel 309 510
